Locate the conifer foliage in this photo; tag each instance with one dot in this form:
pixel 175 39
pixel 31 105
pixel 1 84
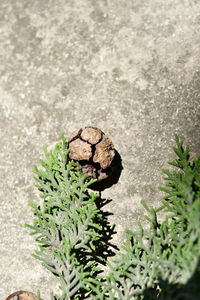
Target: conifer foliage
pixel 158 262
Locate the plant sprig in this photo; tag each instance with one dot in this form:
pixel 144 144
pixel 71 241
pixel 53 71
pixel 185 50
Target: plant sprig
pixel 161 262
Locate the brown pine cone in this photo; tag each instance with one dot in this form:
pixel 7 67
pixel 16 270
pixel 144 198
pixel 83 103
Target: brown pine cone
pixel 93 150
pixel 22 295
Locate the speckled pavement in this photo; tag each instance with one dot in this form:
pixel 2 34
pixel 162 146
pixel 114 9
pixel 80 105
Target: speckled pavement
pixel 129 67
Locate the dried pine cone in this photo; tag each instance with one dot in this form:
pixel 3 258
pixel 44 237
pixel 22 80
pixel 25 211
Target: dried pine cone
pixel 93 150
pixel 22 295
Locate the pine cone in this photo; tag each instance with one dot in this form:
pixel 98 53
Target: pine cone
pixel 22 295
pixel 93 150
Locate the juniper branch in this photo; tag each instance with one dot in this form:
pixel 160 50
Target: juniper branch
pixel 159 263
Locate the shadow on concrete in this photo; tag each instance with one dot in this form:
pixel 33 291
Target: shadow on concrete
pixel 102 248
pixel 115 172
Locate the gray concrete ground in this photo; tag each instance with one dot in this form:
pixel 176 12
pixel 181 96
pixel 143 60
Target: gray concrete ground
pixel 129 67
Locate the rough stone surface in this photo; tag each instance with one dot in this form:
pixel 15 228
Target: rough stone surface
pixel 130 68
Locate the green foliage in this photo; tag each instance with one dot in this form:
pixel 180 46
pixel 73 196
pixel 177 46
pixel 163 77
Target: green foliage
pixel 161 262
pixel 68 225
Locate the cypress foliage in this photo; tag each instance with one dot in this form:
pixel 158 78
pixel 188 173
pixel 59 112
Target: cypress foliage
pixel 161 262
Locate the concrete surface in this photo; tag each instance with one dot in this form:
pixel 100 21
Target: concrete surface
pixel 129 67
